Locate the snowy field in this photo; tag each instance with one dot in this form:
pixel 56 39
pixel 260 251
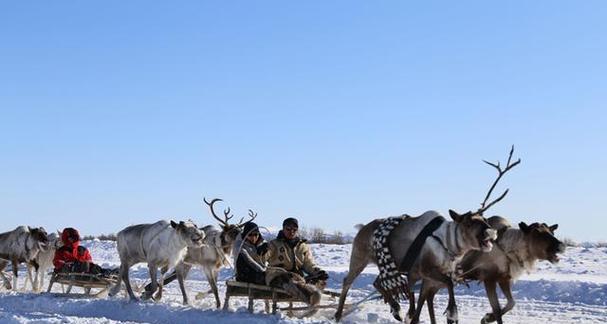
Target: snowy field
pixel 574 291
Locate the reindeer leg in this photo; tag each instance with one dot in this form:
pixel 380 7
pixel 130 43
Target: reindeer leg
pixel 431 306
pixel 153 276
pixel 28 277
pixel 490 287
pixel 423 295
pixel 41 280
pixel 7 283
pixel 158 295
pixel 36 283
pixel 452 317
pixel 181 272
pixel 410 312
pixel 451 311
pixel 357 265
pixel 116 289
pixel 15 272
pixel 212 279
pixel 124 273
pixel 505 285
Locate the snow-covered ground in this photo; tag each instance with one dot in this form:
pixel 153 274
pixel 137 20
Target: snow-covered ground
pixel 574 291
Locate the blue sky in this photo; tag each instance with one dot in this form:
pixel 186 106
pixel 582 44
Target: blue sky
pixel 336 112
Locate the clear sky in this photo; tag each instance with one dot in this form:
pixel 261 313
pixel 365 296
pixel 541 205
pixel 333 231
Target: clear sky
pixel 336 112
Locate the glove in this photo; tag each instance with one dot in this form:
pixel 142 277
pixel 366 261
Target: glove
pixel 322 275
pixel 262 248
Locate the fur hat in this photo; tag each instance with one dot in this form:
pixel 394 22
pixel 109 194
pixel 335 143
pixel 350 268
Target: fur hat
pixel 249 227
pixel 70 234
pixel 290 222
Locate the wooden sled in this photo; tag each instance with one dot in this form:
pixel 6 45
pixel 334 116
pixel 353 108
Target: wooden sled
pixel 84 280
pixel 274 295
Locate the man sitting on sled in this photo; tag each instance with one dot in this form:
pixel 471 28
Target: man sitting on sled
pixel 251 267
pixel 292 253
pixel 74 258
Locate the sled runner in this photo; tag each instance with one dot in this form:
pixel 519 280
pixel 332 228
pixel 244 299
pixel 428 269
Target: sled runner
pixel 274 295
pixel 84 280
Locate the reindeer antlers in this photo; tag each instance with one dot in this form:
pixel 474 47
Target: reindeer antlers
pixel 501 172
pixel 226 213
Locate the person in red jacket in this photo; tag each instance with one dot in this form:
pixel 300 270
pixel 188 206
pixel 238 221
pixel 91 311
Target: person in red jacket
pixel 72 257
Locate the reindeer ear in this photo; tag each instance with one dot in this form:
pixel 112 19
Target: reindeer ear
pixel 29 228
pixel 173 224
pixel 455 216
pixel 524 227
pixel 553 227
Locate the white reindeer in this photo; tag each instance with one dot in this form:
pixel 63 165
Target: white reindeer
pixel 20 245
pixel 44 259
pixel 214 254
pixel 161 244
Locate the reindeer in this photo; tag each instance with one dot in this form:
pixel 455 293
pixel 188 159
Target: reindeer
pixel 44 259
pixel 161 244
pixel 438 254
pixel 215 253
pixel 516 252
pixel 21 245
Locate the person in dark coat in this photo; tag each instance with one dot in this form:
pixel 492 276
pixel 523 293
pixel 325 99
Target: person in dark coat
pixel 250 265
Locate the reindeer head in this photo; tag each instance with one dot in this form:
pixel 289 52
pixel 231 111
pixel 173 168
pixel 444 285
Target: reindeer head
pixel 189 232
pixel 541 241
pixel 54 241
pixel 38 234
pixel 475 230
pixel 229 232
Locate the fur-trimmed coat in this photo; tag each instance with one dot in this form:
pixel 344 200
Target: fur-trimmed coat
pixel 294 256
pixel 250 265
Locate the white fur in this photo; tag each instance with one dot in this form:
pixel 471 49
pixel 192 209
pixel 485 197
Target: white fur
pixel 16 245
pixel 45 262
pixel 158 244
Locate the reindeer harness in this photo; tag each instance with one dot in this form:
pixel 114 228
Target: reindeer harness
pixel 391 281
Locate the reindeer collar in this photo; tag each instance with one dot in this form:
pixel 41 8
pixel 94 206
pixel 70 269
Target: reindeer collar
pixel 445 245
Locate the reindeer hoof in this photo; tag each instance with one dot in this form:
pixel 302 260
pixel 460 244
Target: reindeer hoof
pixel 146 295
pixel 409 319
pixel 158 296
pixel 397 316
pixel 488 318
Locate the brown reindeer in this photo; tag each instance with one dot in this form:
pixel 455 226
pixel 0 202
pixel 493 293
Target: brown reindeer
pixel 215 252
pixel 516 252
pixel 438 255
